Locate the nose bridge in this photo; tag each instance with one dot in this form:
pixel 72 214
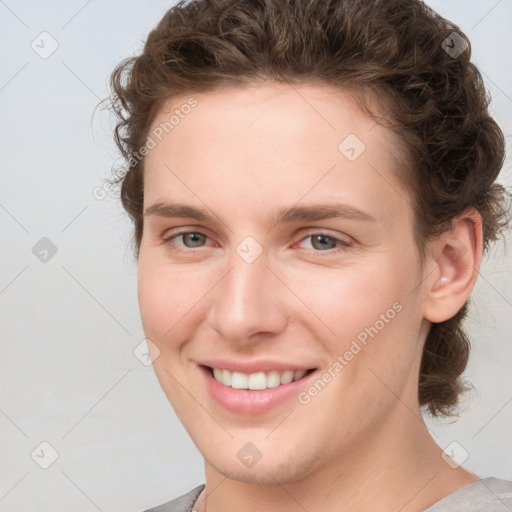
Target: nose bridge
pixel 246 301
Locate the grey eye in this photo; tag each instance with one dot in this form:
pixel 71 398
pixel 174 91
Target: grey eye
pixel 323 242
pixel 193 239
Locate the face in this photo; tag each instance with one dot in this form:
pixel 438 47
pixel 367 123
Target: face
pixel 278 245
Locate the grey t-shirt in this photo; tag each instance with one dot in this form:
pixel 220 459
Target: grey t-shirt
pixel 485 495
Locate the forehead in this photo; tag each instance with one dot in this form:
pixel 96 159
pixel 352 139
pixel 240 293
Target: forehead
pixel 305 111
pixel 275 142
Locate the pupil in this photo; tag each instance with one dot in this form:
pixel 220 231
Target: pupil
pixel 324 239
pixel 194 238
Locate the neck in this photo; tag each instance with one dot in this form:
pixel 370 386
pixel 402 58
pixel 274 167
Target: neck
pixel 398 468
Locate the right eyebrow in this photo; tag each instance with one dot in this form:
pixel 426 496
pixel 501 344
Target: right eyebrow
pixel 178 210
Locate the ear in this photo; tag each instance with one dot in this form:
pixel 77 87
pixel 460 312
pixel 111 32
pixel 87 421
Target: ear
pixel 455 259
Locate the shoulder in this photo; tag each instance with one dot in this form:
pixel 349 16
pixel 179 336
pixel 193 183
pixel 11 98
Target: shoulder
pixel 183 503
pixel 484 495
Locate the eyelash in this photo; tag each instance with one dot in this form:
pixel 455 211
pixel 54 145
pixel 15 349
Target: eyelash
pixel 342 244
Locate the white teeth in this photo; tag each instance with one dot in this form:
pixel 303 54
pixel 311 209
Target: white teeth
pixel 286 377
pixel 256 381
pixel 299 374
pixel 226 377
pixel 239 380
pixel 273 379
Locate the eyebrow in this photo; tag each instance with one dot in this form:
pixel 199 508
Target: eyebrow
pixel 307 213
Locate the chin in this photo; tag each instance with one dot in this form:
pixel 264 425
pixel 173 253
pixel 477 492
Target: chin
pixel 266 471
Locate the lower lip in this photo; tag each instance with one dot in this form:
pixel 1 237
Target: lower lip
pixel 249 402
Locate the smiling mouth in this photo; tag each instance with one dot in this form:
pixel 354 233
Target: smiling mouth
pixel 257 381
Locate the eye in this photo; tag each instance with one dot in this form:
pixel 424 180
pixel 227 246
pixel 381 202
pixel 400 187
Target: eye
pixel 321 242
pixel 190 239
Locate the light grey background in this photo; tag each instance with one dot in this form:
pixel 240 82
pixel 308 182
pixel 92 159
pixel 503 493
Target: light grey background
pixel 69 326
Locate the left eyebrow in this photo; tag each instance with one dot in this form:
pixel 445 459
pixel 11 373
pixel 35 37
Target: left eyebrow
pixel 307 213
pixel 316 212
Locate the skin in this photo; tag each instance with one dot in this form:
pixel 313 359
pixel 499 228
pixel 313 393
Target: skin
pixel 242 154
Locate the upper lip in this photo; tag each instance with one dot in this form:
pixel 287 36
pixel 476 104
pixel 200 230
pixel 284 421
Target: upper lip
pixel 250 367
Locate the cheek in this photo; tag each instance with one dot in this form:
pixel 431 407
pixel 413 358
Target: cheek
pixel 164 297
pixel 347 300
pixel 366 309
pixel 173 299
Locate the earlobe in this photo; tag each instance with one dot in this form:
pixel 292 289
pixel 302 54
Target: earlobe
pixel 456 257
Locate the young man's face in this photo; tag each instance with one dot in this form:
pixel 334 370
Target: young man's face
pixel 252 289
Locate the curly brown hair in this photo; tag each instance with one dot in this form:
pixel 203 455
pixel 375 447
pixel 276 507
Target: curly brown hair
pixel 401 53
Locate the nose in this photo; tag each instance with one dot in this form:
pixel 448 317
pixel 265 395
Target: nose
pixel 247 305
